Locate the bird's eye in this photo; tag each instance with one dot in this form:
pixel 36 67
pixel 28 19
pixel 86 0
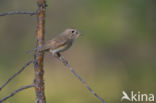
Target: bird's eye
pixel 73 31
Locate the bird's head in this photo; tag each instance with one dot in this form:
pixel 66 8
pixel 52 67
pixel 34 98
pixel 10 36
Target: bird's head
pixel 72 33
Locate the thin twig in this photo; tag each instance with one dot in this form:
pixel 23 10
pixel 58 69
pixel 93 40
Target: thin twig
pixel 18 12
pixel 65 62
pixel 16 91
pixel 18 72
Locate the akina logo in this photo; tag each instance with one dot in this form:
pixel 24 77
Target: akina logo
pixel 137 97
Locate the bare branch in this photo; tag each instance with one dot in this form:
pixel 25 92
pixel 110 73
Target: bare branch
pixel 65 62
pixel 13 76
pixel 18 12
pixel 16 91
pixel 39 56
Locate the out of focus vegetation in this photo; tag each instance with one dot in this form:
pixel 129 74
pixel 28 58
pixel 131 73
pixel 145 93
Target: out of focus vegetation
pixel 116 51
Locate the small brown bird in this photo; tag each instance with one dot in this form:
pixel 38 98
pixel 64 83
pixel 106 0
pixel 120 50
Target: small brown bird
pixel 60 42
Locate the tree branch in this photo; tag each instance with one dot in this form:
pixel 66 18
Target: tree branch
pixel 18 12
pixel 16 91
pixel 18 72
pixel 65 62
pixel 39 56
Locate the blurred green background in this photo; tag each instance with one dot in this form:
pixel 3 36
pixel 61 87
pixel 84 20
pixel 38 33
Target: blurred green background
pixel 116 51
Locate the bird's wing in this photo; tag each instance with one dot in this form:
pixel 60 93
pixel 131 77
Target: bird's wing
pixel 54 44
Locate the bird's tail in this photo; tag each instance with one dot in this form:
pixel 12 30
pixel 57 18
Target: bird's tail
pixel 29 51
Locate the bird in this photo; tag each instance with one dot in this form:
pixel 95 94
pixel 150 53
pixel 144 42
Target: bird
pixel 59 43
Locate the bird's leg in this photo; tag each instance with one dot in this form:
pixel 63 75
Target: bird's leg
pixel 58 54
pixel 55 53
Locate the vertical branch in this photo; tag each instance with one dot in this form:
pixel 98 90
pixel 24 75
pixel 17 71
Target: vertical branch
pixel 38 57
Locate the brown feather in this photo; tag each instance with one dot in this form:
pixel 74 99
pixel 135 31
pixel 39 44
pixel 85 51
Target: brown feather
pixel 55 43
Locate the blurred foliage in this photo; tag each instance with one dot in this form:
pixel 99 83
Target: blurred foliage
pixel 116 51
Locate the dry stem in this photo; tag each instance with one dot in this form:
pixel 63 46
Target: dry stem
pixel 16 91
pixel 65 62
pixel 18 12
pixel 17 73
